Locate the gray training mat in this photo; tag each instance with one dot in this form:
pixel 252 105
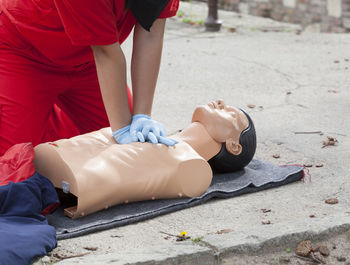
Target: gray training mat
pixel 258 175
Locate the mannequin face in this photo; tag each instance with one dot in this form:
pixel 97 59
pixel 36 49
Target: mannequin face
pixel 223 123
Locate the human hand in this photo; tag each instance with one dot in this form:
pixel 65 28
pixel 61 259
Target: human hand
pixel 143 128
pixel 122 136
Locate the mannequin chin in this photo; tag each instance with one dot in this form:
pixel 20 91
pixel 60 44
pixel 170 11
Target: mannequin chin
pixel 101 173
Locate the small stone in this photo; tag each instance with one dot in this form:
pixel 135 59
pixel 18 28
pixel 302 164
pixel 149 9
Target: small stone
pixel 284 260
pixel 267 222
pixel 304 248
pixel 341 259
pixel 45 259
pixel 312 216
pixel 323 249
pixel 336 61
pixel 307 165
pixel 276 156
pixel 288 92
pixel 319 165
pixel 331 201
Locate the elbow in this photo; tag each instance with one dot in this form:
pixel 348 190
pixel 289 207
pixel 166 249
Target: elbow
pixel 103 51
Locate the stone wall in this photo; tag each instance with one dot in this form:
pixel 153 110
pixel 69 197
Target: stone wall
pixel 323 15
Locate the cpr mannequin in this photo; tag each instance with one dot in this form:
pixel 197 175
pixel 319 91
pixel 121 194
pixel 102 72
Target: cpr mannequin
pixel 101 173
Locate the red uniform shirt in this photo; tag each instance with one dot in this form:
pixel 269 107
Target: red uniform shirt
pixel 63 30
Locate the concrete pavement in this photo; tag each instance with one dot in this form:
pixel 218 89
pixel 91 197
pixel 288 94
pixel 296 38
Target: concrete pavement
pixel 299 84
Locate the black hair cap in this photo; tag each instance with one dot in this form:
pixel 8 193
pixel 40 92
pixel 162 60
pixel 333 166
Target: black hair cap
pixel 225 162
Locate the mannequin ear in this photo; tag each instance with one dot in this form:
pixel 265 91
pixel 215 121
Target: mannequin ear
pixel 233 147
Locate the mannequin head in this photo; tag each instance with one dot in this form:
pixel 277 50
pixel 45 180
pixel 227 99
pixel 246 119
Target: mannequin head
pixel 234 129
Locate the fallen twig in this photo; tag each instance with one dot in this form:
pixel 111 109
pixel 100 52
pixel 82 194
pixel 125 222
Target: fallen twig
pixel 59 256
pixel 167 234
pixel 312 132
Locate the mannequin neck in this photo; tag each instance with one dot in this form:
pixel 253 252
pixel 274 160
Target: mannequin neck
pixel 198 138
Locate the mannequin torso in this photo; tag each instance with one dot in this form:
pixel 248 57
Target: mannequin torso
pixel 101 173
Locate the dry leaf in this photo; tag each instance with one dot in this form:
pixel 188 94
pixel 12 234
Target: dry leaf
pixel 91 248
pixel 266 210
pixel 318 257
pixel 331 201
pixel 330 141
pixel 341 259
pixel 307 165
pixel 304 248
pixel 182 238
pixel 333 91
pixel 252 106
pixel 312 216
pixel 276 156
pixel 319 165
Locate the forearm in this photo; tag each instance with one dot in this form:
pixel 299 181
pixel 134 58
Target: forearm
pixel 111 72
pixel 145 63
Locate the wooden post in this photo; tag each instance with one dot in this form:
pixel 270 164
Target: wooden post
pixel 212 23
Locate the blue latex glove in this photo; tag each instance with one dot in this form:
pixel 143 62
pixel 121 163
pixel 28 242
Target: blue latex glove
pixel 143 128
pixel 122 136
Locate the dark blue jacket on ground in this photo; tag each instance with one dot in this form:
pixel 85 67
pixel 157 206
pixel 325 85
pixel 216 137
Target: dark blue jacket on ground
pixel 24 231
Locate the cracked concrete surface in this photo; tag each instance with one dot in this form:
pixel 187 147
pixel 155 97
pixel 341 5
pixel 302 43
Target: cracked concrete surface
pixel 300 85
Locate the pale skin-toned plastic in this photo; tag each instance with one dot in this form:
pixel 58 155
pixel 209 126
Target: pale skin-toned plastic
pixel 102 173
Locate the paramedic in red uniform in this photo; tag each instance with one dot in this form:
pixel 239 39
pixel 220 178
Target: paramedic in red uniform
pixel 63 72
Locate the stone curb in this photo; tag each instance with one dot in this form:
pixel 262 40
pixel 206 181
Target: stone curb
pixel 278 236
pixel 211 248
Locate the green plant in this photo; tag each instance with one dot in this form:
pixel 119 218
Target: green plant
pixel 196 240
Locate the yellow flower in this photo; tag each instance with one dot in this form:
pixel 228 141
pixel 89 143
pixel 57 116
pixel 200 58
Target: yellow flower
pixel 184 233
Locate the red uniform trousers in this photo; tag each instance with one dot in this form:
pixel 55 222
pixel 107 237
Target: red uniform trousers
pixel 41 102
